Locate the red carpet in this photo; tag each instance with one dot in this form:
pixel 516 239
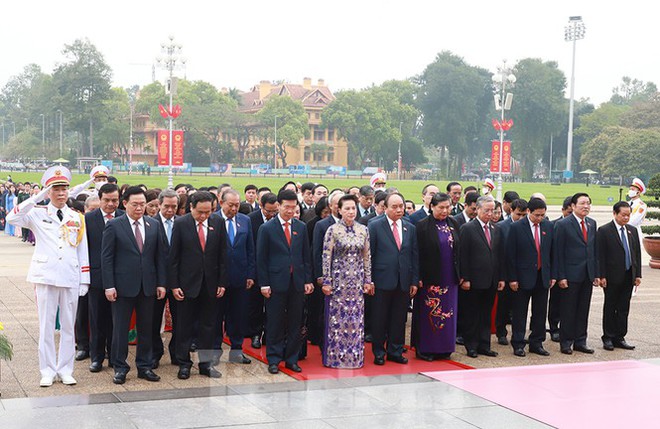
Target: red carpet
pixel 313 369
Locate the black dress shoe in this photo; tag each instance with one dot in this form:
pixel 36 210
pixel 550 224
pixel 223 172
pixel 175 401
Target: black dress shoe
pixel 397 359
pixel 96 367
pixel 519 352
pixel 502 341
pixel 184 373
pixel 256 342
pixel 155 365
pixel 82 354
pixel 240 359
pixel 368 338
pixel 472 353
pixel 459 340
pixel 554 336
pixel 623 345
pixel 607 345
pixel 423 356
pixel 566 350
pixel 539 351
pixel 583 349
pixel 148 375
pixel 119 377
pixel 273 369
pixel 379 360
pixel 491 353
pixel 293 367
pixel 210 372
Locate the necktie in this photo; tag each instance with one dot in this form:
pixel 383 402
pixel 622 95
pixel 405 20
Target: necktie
pixel 108 217
pixel 230 231
pixel 537 240
pixel 397 239
pixel 200 234
pixel 60 216
pixel 626 249
pixel 584 231
pixel 487 232
pixel 169 231
pixel 287 233
pixel 138 236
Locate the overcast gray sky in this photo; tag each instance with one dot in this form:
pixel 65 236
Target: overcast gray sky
pixel 350 44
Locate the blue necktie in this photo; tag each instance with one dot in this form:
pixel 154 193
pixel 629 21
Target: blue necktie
pixel 169 231
pixel 626 249
pixel 230 231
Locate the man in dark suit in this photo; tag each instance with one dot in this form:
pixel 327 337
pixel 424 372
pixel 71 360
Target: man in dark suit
pixel 256 316
pixel 133 261
pixel 379 208
pixel 528 258
pixel 169 201
pixel 251 197
pixel 307 193
pixel 366 199
pixel 285 275
pixel 240 277
pixel 553 301
pixel 620 270
pixel 507 200
pixel 427 193
pixel 318 192
pixel 576 270
pixel 395 273
pixel 469 211
pixel 100 313
pixel 480 259
pixel 197 277
pixel 455 190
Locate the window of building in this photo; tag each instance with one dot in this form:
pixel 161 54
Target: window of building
pixel 331 155
pixel 319 135
pixel 318 155
pixel 317 115
pixel 307 153
pixel 331 135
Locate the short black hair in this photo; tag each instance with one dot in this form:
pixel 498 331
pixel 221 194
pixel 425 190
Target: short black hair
pixel 318 185
pixel 203 188
pixel 244 207
pixel 411 202
pixel 321 205
pixel 180 185
pixel 439 198
pixel 263 189
pixel 133 190
pixel 268 198
pixel 250 187
pixel 307 186
pixel 392 194
pixel 469 189
pixel 618 206
pixel 519 204
pixel 348 197
pixel 471 198
pixel 576 197
pixel 286 195
pixel 213 188
pixel 366 190
pixel 112 179
pixel 536 203
pixel 224 185
pixel 290 182
pixel 567 202
pixel 451 185
pixel 379 197
pixel 108 188
pixel 201 197
pixel 426 187
pixel 510 196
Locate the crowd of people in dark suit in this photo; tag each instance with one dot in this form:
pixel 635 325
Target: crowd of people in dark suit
pixel 300 266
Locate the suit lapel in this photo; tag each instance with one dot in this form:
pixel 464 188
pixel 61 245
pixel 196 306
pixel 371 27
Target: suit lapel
pixel 388 229
pixel 127 225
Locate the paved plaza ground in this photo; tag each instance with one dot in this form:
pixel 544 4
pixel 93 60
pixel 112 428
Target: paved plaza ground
pixel 247 395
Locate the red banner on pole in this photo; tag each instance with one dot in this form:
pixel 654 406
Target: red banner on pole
pixel 163 147
pixel 506 157
pixel 177 148
pixel 495 157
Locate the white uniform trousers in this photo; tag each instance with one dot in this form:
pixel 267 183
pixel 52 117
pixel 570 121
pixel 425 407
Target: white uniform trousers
pixel 49 298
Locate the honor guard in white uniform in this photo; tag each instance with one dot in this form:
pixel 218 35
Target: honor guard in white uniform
pixel 59 270
pixel 637 206
pixel 98 176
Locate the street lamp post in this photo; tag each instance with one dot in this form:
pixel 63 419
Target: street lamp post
pixel 573 32
pixel 170 62
pixel 503 102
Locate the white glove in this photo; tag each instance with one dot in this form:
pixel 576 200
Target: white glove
pixel 41 195
pixel 73 192
pixel 83 290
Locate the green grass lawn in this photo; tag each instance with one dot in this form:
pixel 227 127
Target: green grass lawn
pixel 411 189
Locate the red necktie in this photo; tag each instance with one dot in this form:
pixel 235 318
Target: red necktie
pixel 584 231
pixel 537 240
pixel 397 239
pixel 108 216
pixel 287 234
pixel 138 236
pixel 487 232
pixel 200 234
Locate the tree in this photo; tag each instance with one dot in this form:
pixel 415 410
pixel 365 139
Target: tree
pixel 643 114
pixel 291 123
pixel 632 90
pixel 113 137
pixel 607 115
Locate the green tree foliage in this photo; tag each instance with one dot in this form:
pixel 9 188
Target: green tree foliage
pixel 632 90
pixel 643 114
pixel 113 135
pixel 607 115
pixel 291 123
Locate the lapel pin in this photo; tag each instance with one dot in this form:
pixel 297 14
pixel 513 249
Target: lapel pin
pixel 147 223
pixel 211 228
pixel 295 233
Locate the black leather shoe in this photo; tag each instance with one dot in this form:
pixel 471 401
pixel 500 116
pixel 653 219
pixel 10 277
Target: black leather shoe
pixel 539 351
pixel 240 359
pixel 554 336
pixel 273 369
pixel 623 345
pixel 184 373
pixel 210 372
pixel 566 350
pixel 379 360
pixel 148 375
pixel 422 356
pixel 155 365
pixel 491 353
pixel 96 367
pixel 472 353
pixel 368 338
pixel 119 377
pixel 293 367
pixel 256 342
pixel 397 359
pixel 82 354
pixel 459 340
pixel 583 349
pixel 519 352
pixel 607 345
pixel 502 341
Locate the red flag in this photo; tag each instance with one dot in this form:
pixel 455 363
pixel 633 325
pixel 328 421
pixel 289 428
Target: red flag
pixel 163 147
pixel 176 111
pixel 163 111
pixel 496 125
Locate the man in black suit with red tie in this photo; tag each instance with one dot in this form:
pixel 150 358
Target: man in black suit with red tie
pixel 620 269
pixel 576 270
pixel 197 277
pixel 480 253
pixel 528 258
pixel 284 271
pixel 100 313
pixel 133 269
